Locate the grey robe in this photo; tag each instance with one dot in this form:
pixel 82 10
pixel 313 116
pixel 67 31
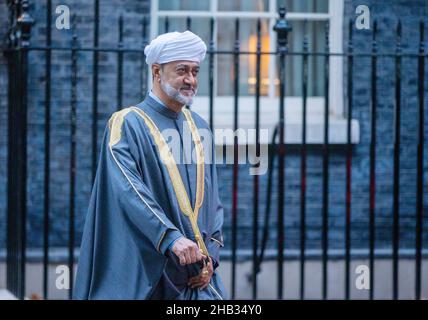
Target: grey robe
pixel 133 216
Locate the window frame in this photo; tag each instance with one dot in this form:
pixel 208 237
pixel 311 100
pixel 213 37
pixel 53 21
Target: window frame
pixel 315 104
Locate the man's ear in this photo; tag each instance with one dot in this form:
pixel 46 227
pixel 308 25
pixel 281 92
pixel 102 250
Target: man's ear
pixel 156 72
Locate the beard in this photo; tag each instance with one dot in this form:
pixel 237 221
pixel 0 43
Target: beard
pixel 175 94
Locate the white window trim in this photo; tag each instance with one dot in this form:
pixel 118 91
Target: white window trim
pixel 223 117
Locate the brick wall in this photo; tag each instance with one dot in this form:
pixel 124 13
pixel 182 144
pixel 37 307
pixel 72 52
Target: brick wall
pixel 132 12
pixel 386 12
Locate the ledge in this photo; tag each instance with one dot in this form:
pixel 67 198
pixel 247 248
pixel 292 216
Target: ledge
pixel 6 295
pixel 59 255
pixel 293 133
pixel 224 120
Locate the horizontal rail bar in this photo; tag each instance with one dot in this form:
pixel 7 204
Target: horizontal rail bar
pixel 244 15
pixel 289 53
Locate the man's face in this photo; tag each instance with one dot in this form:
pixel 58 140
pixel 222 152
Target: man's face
pixel 179 80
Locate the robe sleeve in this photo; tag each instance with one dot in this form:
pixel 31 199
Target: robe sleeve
pixel 215 242
pixel 142 214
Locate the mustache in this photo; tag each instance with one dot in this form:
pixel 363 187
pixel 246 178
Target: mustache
pixel 188 88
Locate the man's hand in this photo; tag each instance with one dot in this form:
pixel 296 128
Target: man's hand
pixel 202 281
pixel 187 251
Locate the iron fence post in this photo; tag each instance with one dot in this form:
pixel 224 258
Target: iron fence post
pixel 282 28
pixel 19 40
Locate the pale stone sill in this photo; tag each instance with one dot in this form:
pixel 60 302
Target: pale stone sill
pixel 6 295
pixel 293 134
pixel 224 120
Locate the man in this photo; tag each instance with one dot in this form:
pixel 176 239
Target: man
pixel 153 228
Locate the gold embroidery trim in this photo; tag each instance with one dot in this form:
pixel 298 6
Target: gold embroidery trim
pixel 177 182
pixel 115 125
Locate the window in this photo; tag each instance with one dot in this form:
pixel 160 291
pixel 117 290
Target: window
pixel 171 15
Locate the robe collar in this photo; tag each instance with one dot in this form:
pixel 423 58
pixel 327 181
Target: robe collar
pixel 155 103
pixel 151 102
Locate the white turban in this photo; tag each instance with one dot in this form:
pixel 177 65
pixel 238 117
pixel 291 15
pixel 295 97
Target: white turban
pixel 175 46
